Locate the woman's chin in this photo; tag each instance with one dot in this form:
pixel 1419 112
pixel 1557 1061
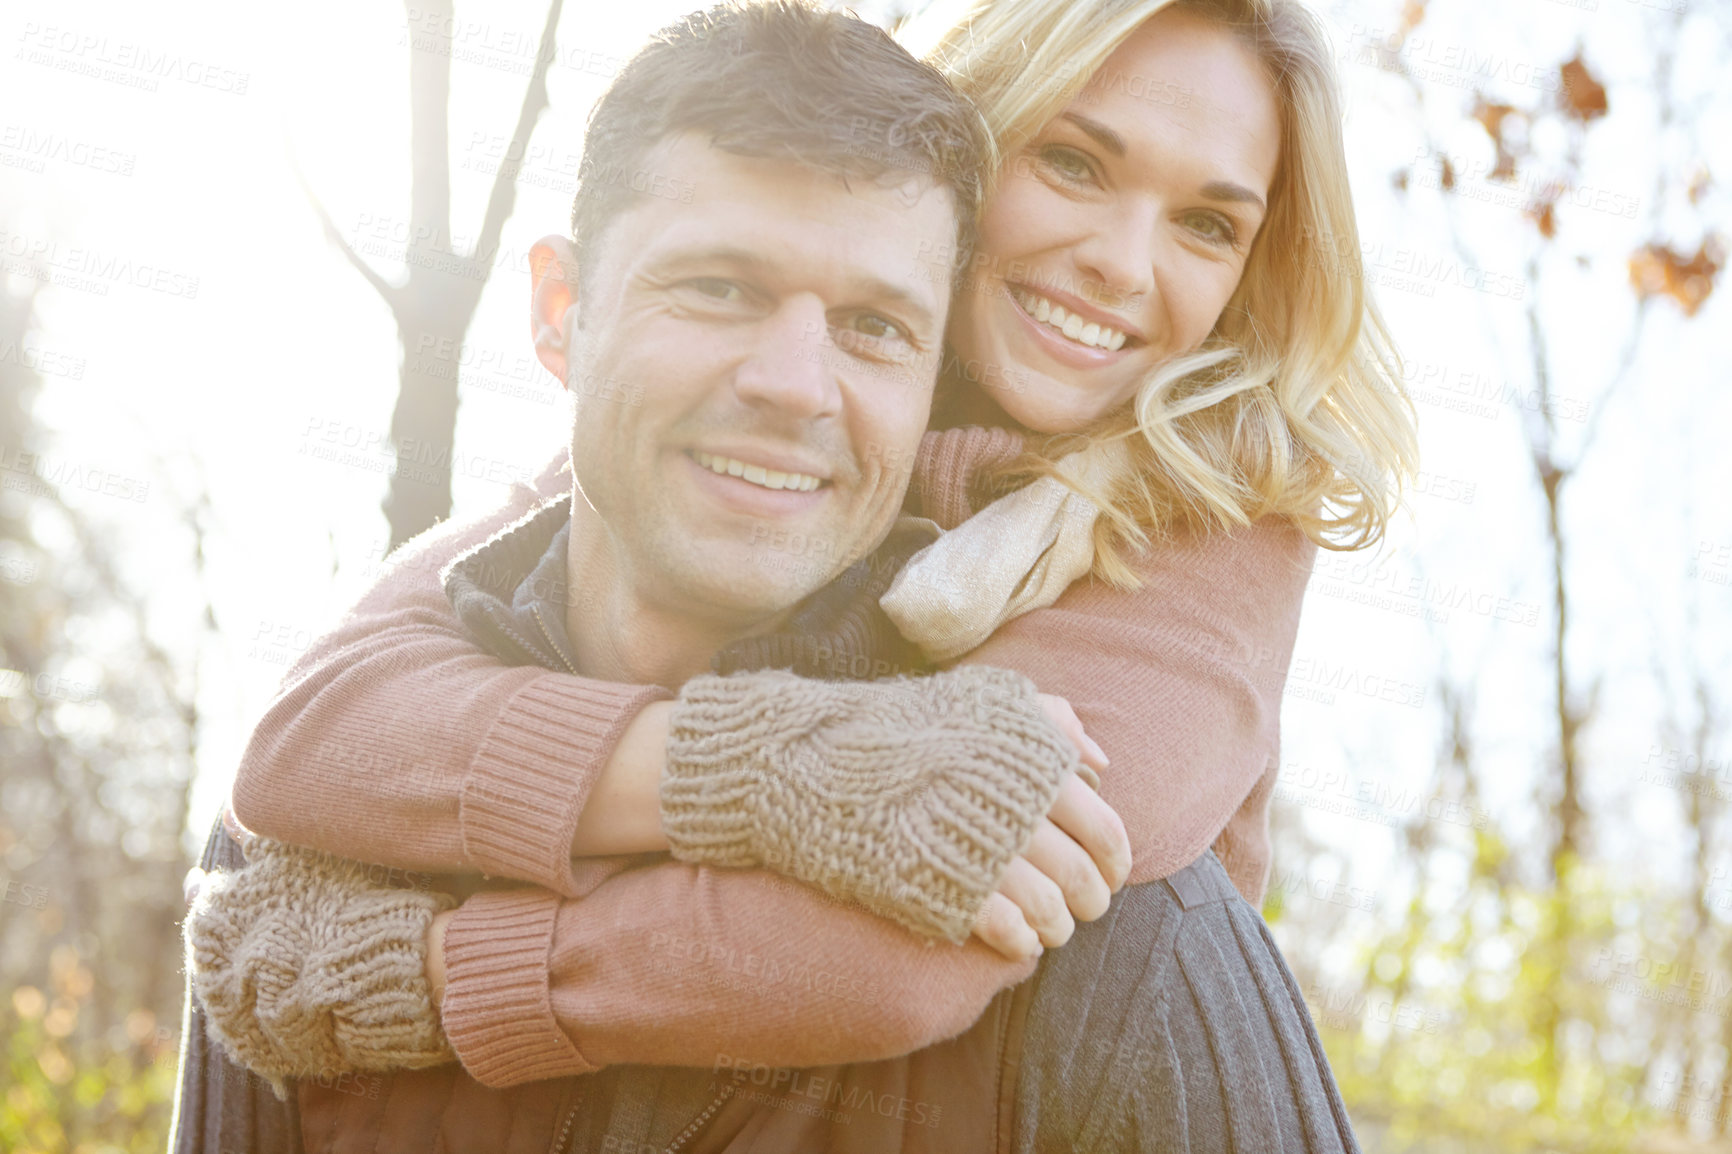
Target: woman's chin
pixel 1044 405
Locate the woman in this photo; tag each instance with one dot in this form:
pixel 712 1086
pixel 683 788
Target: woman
pixel 1164 279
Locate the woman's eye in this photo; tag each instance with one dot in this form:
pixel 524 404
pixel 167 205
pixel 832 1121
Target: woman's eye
pixel 1068 163
pixel 1214 228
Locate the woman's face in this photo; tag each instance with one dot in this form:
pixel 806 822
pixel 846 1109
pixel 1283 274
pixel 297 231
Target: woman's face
pixel 1117 235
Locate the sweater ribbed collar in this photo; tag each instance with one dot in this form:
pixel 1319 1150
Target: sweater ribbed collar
pixel 511 593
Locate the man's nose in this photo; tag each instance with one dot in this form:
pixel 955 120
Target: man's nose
pixel 790 366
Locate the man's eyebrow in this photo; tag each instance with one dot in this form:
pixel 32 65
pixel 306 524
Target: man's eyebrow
pixel 867 285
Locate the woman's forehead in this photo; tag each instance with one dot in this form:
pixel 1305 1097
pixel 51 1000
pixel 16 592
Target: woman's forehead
pixel 1184 85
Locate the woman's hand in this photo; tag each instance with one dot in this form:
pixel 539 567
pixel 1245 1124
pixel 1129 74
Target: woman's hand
pixel 1077 859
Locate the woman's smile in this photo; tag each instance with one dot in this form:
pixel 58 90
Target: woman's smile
pixel 1065 335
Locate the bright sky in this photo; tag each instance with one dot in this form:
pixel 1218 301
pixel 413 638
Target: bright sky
pixel 166 143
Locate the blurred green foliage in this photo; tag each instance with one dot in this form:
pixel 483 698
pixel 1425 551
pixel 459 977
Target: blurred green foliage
pixel 86 1095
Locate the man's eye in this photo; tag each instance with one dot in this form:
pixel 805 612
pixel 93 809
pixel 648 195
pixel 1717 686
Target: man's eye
pixel 717 289
pixel 878 328
pixel 870 335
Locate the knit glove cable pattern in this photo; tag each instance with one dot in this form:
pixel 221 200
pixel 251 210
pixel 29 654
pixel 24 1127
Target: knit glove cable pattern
pixel 909 795
pixel 307 969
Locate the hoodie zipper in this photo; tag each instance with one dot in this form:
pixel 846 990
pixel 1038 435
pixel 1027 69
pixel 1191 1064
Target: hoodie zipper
pixel 697 1124
pixel 559 1143
pixel 547 633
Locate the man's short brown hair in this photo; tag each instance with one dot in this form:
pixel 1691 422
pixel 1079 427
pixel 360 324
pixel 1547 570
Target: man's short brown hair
pixel 785 80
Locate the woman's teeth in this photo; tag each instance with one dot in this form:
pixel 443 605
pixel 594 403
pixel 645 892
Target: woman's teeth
pixel 756 474
pixel 1072 326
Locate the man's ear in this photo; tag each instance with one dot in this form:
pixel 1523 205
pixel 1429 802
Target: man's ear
pixel 552 293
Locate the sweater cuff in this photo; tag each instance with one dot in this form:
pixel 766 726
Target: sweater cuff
pixel 527 786
pixel 498 1010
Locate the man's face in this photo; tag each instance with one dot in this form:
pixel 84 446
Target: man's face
pixel 753 371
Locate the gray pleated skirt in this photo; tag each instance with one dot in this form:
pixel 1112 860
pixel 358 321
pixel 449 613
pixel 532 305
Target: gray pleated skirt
pixel 1173 1024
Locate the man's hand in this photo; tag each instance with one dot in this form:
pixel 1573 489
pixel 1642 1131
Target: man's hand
pixel 1077 859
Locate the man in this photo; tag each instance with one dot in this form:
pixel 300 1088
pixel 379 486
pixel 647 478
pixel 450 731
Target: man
pixel 711 307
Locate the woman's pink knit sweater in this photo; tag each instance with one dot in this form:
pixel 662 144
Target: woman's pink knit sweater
pixel 396 740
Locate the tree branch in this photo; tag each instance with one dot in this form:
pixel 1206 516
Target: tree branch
pixel 386 290
pixel 504 195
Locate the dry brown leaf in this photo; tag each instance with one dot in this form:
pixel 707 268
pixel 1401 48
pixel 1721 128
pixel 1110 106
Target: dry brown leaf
pixel 1659 270
pixel 1543 214
pixel 1583 97
pixel 1491 117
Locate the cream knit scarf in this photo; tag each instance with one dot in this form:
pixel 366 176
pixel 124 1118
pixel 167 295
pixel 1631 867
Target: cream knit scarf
pixel 1017 554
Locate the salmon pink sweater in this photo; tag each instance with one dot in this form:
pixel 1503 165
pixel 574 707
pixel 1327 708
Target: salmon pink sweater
pixel 396 740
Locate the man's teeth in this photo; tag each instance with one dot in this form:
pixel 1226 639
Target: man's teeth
pixel 756 474
pixel 1071 325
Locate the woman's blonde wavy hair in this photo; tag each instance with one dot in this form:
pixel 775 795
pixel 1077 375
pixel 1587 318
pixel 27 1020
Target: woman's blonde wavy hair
pixel 1294 405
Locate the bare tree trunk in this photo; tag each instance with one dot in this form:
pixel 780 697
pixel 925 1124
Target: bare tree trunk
pixel 438 300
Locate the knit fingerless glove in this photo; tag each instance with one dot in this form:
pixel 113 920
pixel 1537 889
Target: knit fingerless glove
pixel 306 969
pixel 910 795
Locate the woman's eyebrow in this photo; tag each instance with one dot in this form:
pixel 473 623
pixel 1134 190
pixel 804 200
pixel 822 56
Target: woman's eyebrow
pixel 1098 132
pixel 1114 143
pixel 1227 190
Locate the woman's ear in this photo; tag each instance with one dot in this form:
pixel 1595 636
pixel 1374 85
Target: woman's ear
pixel 552 293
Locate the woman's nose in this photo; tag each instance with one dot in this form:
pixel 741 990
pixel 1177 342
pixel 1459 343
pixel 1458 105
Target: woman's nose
pixel 1119 258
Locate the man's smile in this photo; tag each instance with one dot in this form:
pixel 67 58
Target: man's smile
pixel 768 477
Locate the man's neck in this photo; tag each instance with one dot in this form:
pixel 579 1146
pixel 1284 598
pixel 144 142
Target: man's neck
pixel 618 635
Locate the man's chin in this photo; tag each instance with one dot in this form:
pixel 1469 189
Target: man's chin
pixel 756 583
